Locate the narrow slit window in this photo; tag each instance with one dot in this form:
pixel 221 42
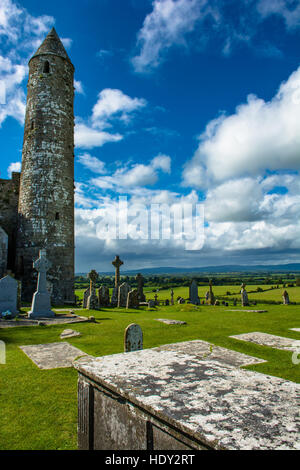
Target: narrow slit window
pixel 46 67
pixel 57 216
pixel 32 124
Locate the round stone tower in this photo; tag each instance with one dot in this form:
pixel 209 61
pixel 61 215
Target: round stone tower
pixel 46 201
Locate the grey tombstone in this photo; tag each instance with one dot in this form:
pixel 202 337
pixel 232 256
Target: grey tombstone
pixel 181 300
pixel 132 299
pixel 133 338
pixel 285 298
pixel 114 297
pixel 86 295
pixel 122 295
pixel 244 296
pixel 140 285
pixel 194 298
pixel 9 295
pixel 167 302
pixel 92 302
pixel 156 302
pixel 172 297
pixel 151 303
pixel 103 296
pixel 41 305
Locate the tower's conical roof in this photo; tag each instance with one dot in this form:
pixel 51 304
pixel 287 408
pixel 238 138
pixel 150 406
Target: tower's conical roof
pixel 52 45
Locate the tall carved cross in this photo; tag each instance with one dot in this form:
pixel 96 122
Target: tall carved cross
pixel 117 263
pixel 42 265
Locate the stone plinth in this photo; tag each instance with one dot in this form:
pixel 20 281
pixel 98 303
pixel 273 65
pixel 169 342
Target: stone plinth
pixel 176 398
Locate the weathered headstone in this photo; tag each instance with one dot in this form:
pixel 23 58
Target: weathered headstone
pixel 86 295
pixel 210 298
pixel 92 301
pixel 9 295
pixel 244 296
pixel 133 338
pixel 172 297
pixel 69 334
pixel 140 285
pixel 167 302
pixel 114 297
pixel 151 303
pixel 103 296
pixel 122 295
pixel 181 300
pixel 117 263
pixel 132 299
pixel 194 298
pixel 285 298
pixel 41 305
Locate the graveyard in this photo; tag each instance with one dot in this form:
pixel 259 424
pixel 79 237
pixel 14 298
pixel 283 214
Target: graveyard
pixel 42 396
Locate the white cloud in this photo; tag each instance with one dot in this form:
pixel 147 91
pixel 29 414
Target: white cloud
pixel 92 163
pixel 87 137
pixel 78 87
pixel 289 10
pixel 259 136
pixel 16 166
pixel 112 102
pixel 138 175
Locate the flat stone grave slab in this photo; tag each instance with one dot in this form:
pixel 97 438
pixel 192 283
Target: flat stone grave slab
pixel 211 352
pixel 52 355
pixel 273 341
pixel 59 320
pixel 69 334
pixel 295 329
pixel 249 311
pixel 188 402
pixel 171 322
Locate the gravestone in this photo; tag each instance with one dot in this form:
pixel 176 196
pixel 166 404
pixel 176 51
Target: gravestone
pixel 156 302
pixel 167 302
pixel 181 301
pixel 172 297
pixel 103 296
pixel 210 298
pixel 133 338
pixel 92 301
pixel 132 299
pixel 122 295
pixel 114 297
pixel 9 295
pixel 244 296
pixel 194 298
pixel 285 298
pixel 151 303
pixel 41 305
pixel 140 285
pixel 85 297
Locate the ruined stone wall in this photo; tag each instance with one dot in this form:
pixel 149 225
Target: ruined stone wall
pixel 46 203
pixel 3 252
pixel 9 195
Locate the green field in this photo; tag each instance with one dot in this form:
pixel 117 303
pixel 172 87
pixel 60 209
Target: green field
pixel 39 407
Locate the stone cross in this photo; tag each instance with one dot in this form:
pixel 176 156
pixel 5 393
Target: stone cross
pixel 117 263
pixel 285 297
pixel 211 297
pixel 133 338
pixel 244 296
pixel 41 305
pixel 93 277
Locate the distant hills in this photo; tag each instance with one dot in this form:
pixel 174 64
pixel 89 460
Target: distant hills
pixel 274 268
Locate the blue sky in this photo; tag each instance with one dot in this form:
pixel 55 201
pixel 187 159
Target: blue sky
pixel 177 101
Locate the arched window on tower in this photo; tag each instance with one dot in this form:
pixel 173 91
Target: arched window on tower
pixel 46 67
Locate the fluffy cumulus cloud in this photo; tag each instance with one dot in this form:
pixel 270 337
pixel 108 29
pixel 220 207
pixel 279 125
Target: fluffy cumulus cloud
pixel 260 136
pixel 20 35
pixel 16 166
pixel 134 175
pixel 112 106
pixel 173 22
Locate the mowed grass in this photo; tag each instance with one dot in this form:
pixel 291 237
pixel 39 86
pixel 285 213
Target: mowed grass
pixel 39 407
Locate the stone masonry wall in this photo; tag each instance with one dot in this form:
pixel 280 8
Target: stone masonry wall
pixel 9 195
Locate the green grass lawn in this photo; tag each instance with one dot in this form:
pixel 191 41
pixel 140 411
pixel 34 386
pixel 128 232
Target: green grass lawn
pixel 39 407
